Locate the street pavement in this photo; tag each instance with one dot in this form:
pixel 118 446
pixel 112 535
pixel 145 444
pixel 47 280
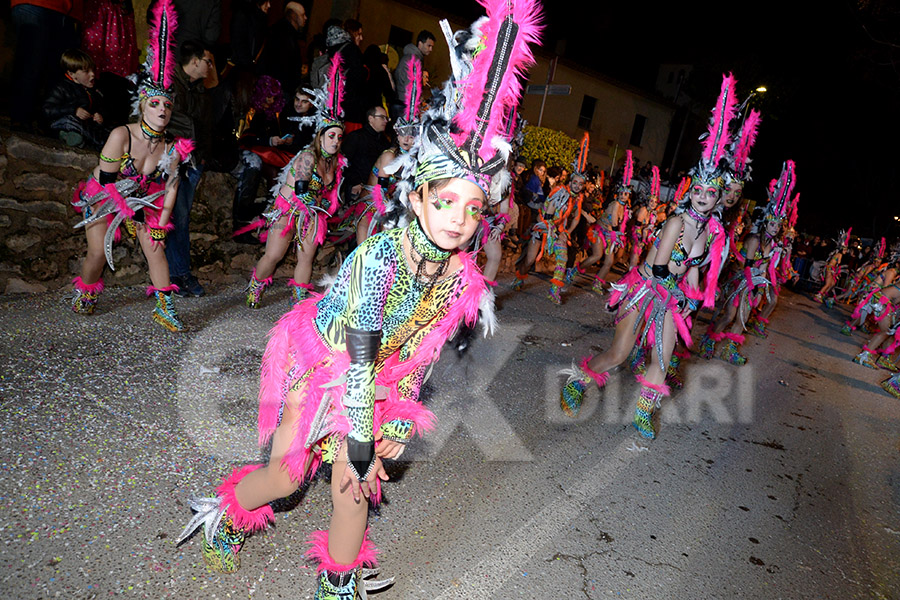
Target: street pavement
pixel 779 479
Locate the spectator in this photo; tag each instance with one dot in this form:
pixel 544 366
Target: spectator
pixel 379 84
pixel 411 52
pixel 289 119
pixel 320 58
pixel 74 109
pixel 44 30
pixel 362 148
pixel 531 196
pixel 192 117
pixel 285 47
pixel 109 36
pixel 355 95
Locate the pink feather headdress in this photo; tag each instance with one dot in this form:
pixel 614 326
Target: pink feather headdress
pixel 682 189
pixel 745 139
pixel 328 99
pixel 627 173
pixel 408 122
pixel 882 246
pixel 463 133
pixel 709 170
pixel 159 67
pixel 654 182
pixel 780 191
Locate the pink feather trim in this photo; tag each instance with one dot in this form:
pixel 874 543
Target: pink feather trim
pixel 267 280
pixel 248 520
pixel 734 337
pixel 526 14
pixel 335 99
pixel 171 288
pixel 715 262
pixel 161 39
pixel 628 173
pixel 599 378
pixel 662 388
pixel 413 89
pixel 305 286
pixel 378 199
pixel 184 147
pixel 716 337
pixel 654 181
pixel 88 288
pixel 121 205
pixel 318 552
pixel 718 139
pixel 748 139
pixel 255 225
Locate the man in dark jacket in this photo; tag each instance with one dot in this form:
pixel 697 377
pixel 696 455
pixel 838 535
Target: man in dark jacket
pixel 411 52
pixel 192 117
pixel 362 148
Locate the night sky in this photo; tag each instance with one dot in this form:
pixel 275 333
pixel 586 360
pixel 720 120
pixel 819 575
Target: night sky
pixel 832 104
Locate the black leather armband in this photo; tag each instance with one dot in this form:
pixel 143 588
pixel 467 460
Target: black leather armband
pixel 362 346
pixel 106 177
pixel 384 182
pixel 660 271
pixel 300 187
pixel 360 457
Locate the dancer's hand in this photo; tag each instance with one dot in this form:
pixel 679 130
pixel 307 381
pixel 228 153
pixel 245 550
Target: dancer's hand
pixel 388 448
pixel 369 486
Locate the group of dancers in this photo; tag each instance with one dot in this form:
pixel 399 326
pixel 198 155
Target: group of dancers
pixel 342 370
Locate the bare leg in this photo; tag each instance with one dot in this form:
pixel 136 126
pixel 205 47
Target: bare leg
pixel 276 247
pixel 608 260
pixel 362 227
pixel 348 521
pixel 156 259
pixel 596 254
pixel 623 342
pixel 306 255
pixel 95 260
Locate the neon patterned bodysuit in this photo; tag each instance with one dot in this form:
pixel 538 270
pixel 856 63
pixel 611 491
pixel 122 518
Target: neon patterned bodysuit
pixel 312 208
pixel 375 290
pixel 611 235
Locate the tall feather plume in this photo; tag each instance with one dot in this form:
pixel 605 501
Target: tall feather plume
pixel 628 172
pixel 682 189
pixel 335 87
pixel 792 220
pixel 413 90
pixel 581 159
pixel 846 241
pixel 163 22
pixel 718 137
pixel 746 141
pixel 654 182
pixel 882 245
pixel 494 84
pixel 784 188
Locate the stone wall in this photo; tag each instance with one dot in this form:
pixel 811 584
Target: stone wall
pixel 40 249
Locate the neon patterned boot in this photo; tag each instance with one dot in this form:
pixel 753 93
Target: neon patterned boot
pixel 818 298
pixel 730 352
pixel 255 289
pixel 345 582
pixel 758 327
pixel 299 292
pixel 865 358
pixel 892 385
pixel 648 402
pixel 884 361
pixel 829 302
pixel 572 394
pixel 165 313
pixel 673 377
pixel 519 282
pixel 599 286
pixel 570 275
pixel 86 296
pixel 555 291
pixel 707 348
pixel 847 329
pixel 225 523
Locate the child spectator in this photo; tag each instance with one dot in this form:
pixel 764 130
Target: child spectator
pixel 73 108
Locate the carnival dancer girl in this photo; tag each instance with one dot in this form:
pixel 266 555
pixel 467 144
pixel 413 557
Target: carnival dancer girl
pixel 760 257
pixel 607 236
pixel 342 372
pixel 871 355
pixel 136 182
pixel 306 194
pixel 382 184
pixel 864 275
pixel 559 217
pixel 644 225
pixel 833 269
pixel 656 298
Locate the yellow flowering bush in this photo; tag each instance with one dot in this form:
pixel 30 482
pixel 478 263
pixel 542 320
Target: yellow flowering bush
pixel 553 147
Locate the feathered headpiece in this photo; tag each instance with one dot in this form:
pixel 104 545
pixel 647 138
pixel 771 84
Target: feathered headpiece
pixel 465 133
pixel 328 99
pixel 739 151
pixel 627 173
pixel 462 133
pixel 157 74
pixel 710 170
pixel 843 240
pixel 683 186
pixel 882 246
pixel 780 190
pixel 792 220
pixel 579 167
pixel 654 183
pixel 408 122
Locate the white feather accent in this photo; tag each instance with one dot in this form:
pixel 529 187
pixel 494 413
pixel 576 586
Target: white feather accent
pixel 488 316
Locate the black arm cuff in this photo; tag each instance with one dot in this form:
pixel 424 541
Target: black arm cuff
pixel 300 187
pixel 107 177
pixel 362 346
pixel 384 182
pixel 361 457
pixel 661 271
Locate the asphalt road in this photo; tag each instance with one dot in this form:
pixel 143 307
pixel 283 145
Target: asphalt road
pixel 776 480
